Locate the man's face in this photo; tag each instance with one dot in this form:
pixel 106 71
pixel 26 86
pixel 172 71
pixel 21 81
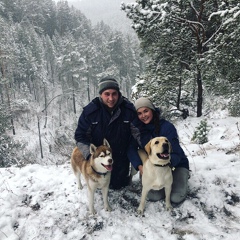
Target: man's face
pixel 110 97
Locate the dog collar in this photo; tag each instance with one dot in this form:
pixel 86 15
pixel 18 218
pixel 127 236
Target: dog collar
pixel 99 173
pixel 165 165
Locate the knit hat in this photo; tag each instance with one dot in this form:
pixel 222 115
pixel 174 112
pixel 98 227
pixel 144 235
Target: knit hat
pixel 107 83
pixel 144 102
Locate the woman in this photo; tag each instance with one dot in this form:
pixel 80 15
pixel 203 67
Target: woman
pixel 150 126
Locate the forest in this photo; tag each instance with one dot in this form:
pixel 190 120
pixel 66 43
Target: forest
pixel 185 57
pixel 193 48
pixel 51 58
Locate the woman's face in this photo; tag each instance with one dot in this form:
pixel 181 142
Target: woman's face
pixel 145 114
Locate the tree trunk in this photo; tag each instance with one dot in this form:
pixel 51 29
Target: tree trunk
pixel 8 96
pixel 60 112
pixel 52 73
pixel 33 88
pixel 10 109
pixel 88 77
pixel 39 136
pixel 73 96
pixel 179 93
pixel 200 92
pixel 1 94
pixel 45 103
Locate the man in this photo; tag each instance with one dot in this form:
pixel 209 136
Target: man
pixel 108 116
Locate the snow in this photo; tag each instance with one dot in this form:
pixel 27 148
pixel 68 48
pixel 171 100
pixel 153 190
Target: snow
pixel 43 202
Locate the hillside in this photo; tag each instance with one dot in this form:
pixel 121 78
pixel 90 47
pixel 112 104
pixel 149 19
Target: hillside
pixel 107 11
pixel 43 202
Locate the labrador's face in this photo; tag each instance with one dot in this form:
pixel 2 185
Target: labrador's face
pixel 159 149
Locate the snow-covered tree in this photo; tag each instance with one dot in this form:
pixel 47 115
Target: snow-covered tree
pixel 180 37
pixel 51 60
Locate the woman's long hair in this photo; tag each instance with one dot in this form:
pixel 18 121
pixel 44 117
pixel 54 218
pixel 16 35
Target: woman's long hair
pixel 156 118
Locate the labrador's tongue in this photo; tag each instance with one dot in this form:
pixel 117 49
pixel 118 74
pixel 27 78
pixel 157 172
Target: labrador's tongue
pixel 164 155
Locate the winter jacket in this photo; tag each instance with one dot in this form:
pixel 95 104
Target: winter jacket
pixel 96 123
pixel 146 133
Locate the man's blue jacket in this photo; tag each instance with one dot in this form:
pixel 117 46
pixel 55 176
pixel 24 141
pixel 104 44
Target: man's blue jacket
pixel 96 122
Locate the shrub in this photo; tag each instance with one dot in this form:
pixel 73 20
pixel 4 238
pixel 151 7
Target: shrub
pixel 200 135
pixel 234 106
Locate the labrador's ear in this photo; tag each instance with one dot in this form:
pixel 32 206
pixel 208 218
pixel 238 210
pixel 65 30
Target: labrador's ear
pixel 148 147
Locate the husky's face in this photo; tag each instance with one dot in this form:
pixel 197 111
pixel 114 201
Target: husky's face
pixel 102 157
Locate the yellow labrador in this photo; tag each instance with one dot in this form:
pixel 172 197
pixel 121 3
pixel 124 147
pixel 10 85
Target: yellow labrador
pixel 157 173
pixel 96 171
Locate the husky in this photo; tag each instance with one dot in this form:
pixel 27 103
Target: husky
pixel 96 171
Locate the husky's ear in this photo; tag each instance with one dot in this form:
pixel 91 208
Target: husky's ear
pixel 92 148
pixel 106 143
pixel 148 147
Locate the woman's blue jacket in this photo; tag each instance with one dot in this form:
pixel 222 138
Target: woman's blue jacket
pixel 146 133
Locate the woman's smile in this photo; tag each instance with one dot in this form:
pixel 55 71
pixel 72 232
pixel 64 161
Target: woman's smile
pixel 145 114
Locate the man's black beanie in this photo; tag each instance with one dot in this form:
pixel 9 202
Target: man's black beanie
pixel 107 83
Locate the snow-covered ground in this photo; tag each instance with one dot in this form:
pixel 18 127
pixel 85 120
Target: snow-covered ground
pixel 42 202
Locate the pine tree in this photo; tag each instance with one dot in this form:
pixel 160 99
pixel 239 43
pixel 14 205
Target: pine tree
pixel 200 135
pixel 180 37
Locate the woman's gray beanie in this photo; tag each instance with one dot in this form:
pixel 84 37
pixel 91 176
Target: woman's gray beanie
pixel 144 102
pixel 107 83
